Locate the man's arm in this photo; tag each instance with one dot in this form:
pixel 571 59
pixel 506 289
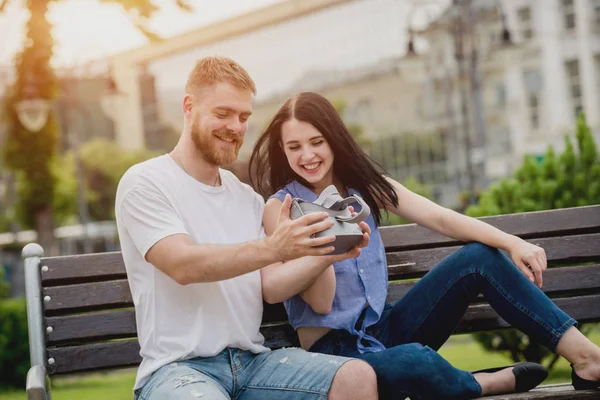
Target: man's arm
pixel 280 281
pixel 186 262
pixel 160 236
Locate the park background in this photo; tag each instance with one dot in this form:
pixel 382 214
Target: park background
pixel 485 106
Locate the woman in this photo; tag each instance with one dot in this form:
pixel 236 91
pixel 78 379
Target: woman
pixel 341 309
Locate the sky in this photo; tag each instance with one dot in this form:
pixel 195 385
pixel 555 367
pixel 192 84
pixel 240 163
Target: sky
pixel 87 29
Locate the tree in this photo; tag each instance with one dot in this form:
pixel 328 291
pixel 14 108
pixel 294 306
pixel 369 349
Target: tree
pixel 32 155
pixel 104 163
pixel 568 180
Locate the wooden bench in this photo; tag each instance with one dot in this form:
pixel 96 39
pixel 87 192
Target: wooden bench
pixel 81 316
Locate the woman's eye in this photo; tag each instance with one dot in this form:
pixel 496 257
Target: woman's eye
pixel 221 116
pixel 293 147
pixel 318 142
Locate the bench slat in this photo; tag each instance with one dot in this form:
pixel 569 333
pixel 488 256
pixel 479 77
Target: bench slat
pixel 481 317
pixel 116 294
pixel 123 353
pixel 126 352
pixel 534 224
pixel 557 280
pixel 549 392
pixel 415 263
pixel 85 267
pixel 121 323
pixel 88 296
pixel 105 266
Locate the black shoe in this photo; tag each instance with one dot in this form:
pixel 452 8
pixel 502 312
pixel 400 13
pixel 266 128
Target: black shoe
pixel 582 384
pixel 527 375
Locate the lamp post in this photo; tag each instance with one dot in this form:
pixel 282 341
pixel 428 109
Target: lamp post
pixel 32 110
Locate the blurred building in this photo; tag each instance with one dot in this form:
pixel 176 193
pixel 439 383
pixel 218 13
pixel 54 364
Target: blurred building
pixel 424 116
pixel 531 87
pixel 279 45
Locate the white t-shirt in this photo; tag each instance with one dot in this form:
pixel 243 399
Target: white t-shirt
pixel 156 199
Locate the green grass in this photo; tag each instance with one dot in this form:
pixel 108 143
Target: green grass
pixel 470 356
pixel 112 386
pixel 460 351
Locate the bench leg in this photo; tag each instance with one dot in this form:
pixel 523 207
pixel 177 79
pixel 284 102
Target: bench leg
pixel 36 384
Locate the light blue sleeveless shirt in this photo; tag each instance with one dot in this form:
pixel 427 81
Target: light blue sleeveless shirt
pixel 359 281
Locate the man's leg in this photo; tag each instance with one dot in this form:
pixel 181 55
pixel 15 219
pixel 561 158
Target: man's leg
pixel 354 380
pixel 298 374
pixel 179 381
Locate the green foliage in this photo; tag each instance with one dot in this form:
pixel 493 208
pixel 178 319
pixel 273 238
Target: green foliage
pixel 568 180
pixel 14 344
pixel 29 153
pixel 4 287
pixel 415 186
pixel 104 163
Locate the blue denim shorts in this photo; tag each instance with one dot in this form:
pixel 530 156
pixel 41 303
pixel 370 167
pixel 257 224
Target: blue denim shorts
pixel 235 374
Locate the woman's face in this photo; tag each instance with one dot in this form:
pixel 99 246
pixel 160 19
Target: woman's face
pixel 308 153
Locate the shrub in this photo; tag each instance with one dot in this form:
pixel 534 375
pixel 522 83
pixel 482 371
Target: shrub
pixel 14 343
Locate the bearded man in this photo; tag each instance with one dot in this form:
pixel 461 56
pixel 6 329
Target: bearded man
pixel 193 244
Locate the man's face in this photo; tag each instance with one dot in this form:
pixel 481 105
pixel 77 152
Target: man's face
pixel 219 120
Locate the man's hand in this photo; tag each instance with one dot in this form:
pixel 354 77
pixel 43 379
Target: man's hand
pixel 530 259
pixel 293 238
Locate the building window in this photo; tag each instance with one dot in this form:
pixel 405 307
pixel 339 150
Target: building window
pixel 525 24
pixel 500 95
pixel 568 10
pixel 595 4
pixel 533 88
pixel 534 110
pixel 574 85
pixel 423 156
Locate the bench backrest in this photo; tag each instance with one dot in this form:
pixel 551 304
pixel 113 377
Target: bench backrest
pixel 89 320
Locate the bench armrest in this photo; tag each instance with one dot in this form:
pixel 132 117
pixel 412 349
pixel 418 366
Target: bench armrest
pixel 36 383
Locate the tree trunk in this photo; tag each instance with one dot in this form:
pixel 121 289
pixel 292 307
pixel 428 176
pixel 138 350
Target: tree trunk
pixel 44 226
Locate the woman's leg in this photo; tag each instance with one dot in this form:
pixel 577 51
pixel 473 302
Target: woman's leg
pixel 430 311
pixel 581 353
pixel 417 371
pixel 410 370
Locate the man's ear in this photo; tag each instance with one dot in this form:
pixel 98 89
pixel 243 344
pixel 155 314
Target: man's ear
pixel 187 104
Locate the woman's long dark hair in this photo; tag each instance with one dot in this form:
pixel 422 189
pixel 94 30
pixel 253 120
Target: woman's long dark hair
pixel 270 170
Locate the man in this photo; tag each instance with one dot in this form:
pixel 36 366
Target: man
pixel 193 244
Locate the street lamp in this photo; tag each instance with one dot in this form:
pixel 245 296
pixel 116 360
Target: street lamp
pixel 33 110
pixel 506 38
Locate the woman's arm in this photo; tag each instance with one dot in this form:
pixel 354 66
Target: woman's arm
pixel 319 295
pixel 280 281
pixel 425 212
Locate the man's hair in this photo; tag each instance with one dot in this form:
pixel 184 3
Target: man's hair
pixel 211 70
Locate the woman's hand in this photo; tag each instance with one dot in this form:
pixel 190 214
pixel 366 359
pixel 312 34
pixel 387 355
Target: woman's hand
pixel 530 259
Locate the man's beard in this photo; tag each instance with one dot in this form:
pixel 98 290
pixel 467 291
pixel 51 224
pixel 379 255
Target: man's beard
pixel 205 142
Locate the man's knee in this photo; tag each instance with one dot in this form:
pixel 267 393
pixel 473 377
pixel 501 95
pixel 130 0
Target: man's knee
pixel 354 380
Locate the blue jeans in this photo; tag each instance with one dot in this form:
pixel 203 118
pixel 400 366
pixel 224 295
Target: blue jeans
pixel 238 374
pixel 420 323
